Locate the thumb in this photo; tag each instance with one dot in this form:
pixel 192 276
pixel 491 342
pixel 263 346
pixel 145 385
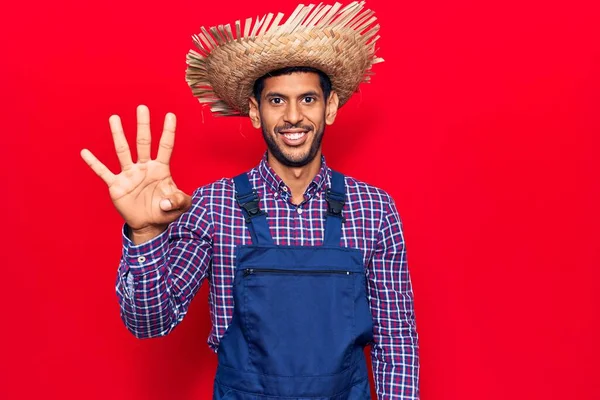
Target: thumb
pixel 178 201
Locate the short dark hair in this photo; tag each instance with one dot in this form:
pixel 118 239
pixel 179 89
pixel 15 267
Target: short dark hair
pixel 324 80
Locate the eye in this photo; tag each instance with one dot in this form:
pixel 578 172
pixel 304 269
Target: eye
pixel 276 100
pixel 309 99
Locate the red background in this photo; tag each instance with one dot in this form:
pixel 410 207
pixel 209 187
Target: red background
pixel 482 123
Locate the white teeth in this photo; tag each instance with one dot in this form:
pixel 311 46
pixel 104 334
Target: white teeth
pixel 294 136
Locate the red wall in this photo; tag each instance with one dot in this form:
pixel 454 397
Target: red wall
pixel 482 123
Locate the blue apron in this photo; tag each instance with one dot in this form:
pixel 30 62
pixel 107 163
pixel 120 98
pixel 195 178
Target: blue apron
pixel 301 318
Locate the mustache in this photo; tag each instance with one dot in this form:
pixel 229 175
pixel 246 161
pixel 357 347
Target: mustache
pixel 307 128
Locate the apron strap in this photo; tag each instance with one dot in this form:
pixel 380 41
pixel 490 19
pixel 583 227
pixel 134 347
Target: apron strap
pixel 249 201
pixel 336 198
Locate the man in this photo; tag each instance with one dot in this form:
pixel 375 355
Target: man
pixel 306 267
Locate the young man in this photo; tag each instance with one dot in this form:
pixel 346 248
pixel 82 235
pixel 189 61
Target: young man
pixel 306 267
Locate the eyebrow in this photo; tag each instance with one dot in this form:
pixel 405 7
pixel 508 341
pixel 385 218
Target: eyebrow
pixel 310 93
pixel 276 94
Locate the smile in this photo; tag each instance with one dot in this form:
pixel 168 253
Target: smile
pixel 294 135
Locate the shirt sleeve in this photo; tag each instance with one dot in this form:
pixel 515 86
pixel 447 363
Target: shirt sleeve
pixel 157 280
pixel 395 351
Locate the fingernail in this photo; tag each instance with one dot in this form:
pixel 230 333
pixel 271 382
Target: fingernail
pixel 165 204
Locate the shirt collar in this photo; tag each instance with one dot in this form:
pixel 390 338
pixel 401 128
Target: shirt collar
pixel 276 183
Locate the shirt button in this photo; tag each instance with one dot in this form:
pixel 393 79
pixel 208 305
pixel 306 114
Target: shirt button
pixel 141 259
pixel 275 194
pixel 299 210
pixel 285 189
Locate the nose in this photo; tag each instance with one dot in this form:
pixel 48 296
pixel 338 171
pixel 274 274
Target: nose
pixel 293 114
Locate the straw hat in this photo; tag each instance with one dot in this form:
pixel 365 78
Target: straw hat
pixel 338 41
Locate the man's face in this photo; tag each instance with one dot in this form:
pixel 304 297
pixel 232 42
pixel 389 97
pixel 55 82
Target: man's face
pixel 292 115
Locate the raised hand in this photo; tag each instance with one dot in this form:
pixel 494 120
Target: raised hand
pixel 144 192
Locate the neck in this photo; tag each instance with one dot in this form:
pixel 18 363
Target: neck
pixel 296 178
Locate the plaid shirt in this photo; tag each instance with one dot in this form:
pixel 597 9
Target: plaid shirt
pixel 157 280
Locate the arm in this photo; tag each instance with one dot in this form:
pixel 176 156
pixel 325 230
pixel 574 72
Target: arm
pixel 163 267
pixel 395 356
pixel 157 280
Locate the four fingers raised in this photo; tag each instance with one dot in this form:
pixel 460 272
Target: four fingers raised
pixel 143 141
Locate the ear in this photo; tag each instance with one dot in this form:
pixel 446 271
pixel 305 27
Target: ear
pixel 253 113
pixel 331 109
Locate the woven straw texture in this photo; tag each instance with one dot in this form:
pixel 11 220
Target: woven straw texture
pixel 338 41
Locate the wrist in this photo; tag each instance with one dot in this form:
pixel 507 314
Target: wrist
pixel 143 235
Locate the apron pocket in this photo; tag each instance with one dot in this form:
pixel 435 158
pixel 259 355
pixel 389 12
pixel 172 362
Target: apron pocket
pixel 299 322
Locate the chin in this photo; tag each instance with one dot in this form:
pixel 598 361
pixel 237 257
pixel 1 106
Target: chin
pixel 298 160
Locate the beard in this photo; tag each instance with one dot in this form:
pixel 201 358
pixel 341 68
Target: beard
pixel 286 159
